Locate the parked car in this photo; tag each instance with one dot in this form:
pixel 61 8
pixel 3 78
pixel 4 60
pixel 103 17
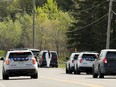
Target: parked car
pixel 36 54
pixel 19 63
pixel 84 62
pixel 34 51
pixel 105 63
pixel 70 62
pixel 54 59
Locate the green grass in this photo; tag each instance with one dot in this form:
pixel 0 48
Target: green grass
pixel 61 65
pixel 2 53
pixel 61 62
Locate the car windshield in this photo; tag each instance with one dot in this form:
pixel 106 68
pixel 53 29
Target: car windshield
pixel 89 57
pixel 76 56
pixel 20 55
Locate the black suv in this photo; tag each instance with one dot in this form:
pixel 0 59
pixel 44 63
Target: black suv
pixel 42 59
pixel 105 64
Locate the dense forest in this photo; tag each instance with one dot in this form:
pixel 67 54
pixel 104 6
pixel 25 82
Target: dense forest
pixel 89 32
pixel 62 25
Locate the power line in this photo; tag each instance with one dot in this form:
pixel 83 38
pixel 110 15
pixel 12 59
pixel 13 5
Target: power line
pixel 89 24
pixel 55 12
pixel 93 6
pixel 113 12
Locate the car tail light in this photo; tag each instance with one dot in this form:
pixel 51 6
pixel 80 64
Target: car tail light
pixel 72 61
pixel 81 60
pixel 105 60
pixel 42 57
pixel 7 62
pixel 34 61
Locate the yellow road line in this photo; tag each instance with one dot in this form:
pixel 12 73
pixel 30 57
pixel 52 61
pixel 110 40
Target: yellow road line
pixel 71 81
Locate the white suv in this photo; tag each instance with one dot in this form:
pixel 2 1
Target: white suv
pixel 19 63
pixel 70 62
pixel 85 62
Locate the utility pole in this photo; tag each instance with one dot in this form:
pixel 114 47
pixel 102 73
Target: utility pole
pixel 33 31
pixel 109 25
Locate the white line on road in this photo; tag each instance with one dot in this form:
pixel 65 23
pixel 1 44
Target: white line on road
pixel 71 81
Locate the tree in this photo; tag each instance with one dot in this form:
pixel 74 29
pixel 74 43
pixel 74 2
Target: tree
pixel 66 5
pixel 9 34
pixel 87 37
pixel 3 9
pixel 52 26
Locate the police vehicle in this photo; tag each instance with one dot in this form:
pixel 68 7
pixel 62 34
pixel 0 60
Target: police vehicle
pixel 19 63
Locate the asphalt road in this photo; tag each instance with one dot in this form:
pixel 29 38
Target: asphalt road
pixel 56 77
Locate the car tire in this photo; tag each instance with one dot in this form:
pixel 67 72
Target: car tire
pixel 75 69
pixel 78 72
pixel 101 75
pixel 69 70
pixel 94 74
pixel 87 73
pixel 56 66
pixel 35 76
pixel 5 76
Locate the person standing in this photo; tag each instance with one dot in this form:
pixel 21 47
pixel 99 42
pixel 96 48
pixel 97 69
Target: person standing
pixel 48 58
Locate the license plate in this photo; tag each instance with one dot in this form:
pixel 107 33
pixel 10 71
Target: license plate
pixel 21 62
pixel 84 63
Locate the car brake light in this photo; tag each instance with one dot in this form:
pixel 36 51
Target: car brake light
pixel 72 61
pixel 105 60
pixel 7 62
pixel 42 57
pixel 81 60
pixel 34 61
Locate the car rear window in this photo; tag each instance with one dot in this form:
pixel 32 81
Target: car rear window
pixel 111 55
pixel 76 56
pixel 20 55
pixel 89 57
pixel 54 55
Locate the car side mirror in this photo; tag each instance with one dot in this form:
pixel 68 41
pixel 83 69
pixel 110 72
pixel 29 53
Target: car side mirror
pixel 2 58
pixel 67 58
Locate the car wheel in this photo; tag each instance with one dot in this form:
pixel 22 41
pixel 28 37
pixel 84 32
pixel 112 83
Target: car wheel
pixel 38 65
pixel 101 75
pixel 35 76
pixel 94 74
pixel 78 72
pixel 75 69
pixel 69 70
pixel 5 76
pixel 56 66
